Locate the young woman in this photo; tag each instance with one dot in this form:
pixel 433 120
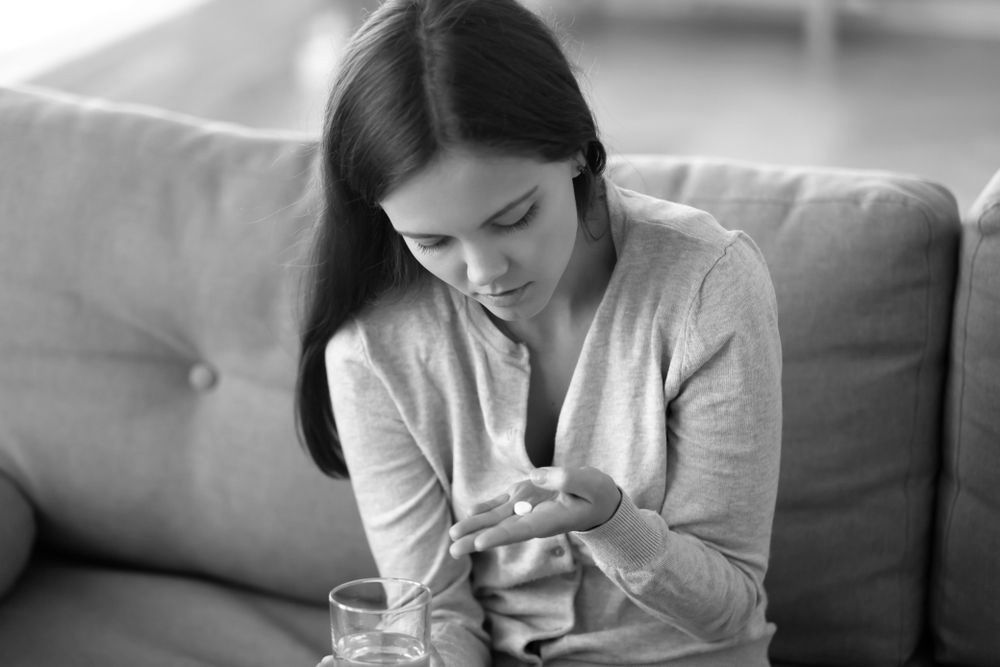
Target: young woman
pixel 558 401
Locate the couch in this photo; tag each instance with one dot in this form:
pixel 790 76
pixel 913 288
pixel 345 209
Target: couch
pixel 157 509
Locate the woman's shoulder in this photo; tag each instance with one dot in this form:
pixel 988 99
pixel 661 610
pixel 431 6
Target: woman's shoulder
pixel 400 322
pixel 683 249
pixel 659 224
pixel 667 240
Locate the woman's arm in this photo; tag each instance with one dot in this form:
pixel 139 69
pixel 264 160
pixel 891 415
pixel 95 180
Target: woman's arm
pixel 403 505
pixel 700 562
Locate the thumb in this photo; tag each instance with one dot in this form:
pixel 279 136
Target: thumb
pixel 587 483
pixel 548 478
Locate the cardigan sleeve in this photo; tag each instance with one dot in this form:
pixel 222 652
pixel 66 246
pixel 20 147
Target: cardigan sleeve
pixel 699 563
pixel 404 508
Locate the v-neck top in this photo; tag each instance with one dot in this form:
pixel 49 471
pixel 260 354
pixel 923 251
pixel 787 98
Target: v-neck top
pixel 676 395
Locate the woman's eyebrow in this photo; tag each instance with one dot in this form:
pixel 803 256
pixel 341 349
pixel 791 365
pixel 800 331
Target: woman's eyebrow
pixel 504 209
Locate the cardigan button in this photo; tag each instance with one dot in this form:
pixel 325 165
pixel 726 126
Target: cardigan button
pixel 202 376
pixel 557 552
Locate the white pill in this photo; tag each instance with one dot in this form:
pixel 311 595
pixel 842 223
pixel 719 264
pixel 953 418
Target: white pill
pixel 522 507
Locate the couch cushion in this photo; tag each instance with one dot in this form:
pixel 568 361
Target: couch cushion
pixel 148 348
pixel 863 265
pixel 122 618
pixel 966 585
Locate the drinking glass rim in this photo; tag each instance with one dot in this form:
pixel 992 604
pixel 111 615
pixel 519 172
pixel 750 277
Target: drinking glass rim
pixel 420 599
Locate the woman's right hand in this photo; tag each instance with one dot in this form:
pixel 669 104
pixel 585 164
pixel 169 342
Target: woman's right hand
pixel 559 499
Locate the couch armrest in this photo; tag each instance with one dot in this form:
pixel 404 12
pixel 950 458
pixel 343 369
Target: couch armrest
pixel 17 532
pixel 965 610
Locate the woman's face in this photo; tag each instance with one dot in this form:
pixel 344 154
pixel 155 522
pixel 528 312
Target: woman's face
pixel 499 229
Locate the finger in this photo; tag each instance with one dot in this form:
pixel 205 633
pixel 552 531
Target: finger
pixel 327 662
pixel 495 510
pixel 587 483
pixel 463 546
pixel 509 532
pixel 478 522
pixel 544 521
pixel 552 478
pixel 488 538
pixel 490 504
pixel 509 529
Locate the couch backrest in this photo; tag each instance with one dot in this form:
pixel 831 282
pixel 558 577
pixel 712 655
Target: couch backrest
pixel 966 591
pixel 147 277
pixel 863 265
pixel 149 355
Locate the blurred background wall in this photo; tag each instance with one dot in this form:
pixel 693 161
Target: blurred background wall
pixel 907 85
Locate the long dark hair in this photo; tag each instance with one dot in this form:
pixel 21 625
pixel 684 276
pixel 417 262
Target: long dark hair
pixel 418 77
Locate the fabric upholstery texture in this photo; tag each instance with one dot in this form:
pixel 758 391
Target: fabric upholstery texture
pixel 863 265
pixel 84 614
pixel 966 584
pixel 147 285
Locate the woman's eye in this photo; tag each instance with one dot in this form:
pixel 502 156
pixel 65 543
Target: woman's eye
pixel 429 246
pixel 524 221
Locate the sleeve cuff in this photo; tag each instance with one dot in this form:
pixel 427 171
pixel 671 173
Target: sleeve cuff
pixel 626 541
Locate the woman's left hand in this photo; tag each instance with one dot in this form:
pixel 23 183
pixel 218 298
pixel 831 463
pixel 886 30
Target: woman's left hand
pixel 562 500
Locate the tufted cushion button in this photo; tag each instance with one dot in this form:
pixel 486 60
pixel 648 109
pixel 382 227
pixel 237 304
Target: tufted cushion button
pixel 202 376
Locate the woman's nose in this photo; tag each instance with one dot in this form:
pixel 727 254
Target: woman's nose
pixel 484 265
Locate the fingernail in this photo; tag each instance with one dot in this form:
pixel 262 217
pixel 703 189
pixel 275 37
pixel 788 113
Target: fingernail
pixel 539 475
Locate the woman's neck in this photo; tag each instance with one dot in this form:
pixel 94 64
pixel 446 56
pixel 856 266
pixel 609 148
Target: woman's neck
pixel 582 286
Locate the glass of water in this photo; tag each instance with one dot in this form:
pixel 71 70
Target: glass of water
pixel 380 621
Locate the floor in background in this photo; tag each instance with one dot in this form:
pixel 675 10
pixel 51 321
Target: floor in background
pixel 739 89
pixel 917 104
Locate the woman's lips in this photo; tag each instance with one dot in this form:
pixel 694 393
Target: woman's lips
pixel 504 299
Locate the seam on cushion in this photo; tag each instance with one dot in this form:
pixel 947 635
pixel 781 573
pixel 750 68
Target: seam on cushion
pixel 905 198
pixel 907 486
pixel 960 402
